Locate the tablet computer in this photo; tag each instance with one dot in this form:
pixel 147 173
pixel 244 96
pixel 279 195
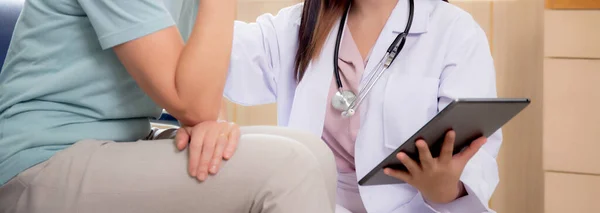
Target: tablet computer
pixel 469 118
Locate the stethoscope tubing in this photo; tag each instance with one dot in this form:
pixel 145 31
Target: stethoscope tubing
pixel 391 53
pixel 338 40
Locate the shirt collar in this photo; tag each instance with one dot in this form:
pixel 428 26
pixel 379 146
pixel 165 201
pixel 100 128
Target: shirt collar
pixel 420 23
pixel 349 52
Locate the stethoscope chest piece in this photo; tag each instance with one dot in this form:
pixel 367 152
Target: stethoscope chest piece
pixel 346 101
pixel 342 100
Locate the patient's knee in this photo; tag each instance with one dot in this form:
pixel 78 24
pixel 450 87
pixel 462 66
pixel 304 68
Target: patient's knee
pixel 276 152
pixel 311 141
pixel 312 151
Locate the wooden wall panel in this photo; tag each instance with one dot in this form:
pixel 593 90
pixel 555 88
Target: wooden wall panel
pixel 571 70
pixel 572 4
pixel 248 10
pixel 518 54
pixel 571 193
pixel 572 34
pixel 256 115
pixel 571 118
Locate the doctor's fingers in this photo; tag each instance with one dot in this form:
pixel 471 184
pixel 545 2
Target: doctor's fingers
pixel 401 175
pixel 468 153
pixel 412 166
pixel 427 161
pixel 448 147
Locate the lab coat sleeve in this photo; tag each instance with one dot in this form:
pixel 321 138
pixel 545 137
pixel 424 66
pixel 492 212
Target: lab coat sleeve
pixel 261 50
pixel 469 73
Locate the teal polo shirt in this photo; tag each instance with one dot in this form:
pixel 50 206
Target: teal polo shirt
pixel 62 83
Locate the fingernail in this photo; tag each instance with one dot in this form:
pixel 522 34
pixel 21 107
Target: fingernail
pixel 202 176
pixel 386 171
pixel 213 168
pixel 193 173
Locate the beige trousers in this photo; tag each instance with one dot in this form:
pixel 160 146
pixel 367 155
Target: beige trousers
pixel 274 170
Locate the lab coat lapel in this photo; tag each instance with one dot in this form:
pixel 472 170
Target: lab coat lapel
pixel 396 25
pixel 310 101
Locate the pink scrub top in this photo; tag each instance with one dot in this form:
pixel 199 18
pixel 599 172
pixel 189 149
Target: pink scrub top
pixel 340 132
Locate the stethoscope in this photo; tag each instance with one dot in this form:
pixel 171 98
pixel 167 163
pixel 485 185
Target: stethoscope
pixel 345 100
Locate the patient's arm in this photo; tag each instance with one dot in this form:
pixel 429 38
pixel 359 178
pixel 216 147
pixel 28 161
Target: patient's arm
pixel 187 80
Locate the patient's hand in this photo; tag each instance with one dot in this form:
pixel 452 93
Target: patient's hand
pixel 210 143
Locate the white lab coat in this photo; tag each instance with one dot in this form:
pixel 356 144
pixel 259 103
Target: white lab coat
pixel 446 56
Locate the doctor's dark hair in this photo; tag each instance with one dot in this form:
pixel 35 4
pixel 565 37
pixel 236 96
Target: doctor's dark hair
pixel 318 16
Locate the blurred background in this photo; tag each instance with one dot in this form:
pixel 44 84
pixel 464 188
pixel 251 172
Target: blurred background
pixel 549 51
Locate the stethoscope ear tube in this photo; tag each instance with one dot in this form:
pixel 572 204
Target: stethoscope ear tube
pixel 400 40
pixel 391 54
pixel 375 76
pixel 395 49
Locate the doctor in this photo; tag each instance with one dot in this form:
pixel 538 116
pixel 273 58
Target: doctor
pixel 365 75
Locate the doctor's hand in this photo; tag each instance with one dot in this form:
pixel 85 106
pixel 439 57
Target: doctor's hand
pixel 438 179
pixel 208 143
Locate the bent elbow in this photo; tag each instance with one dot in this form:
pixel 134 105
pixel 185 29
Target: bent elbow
pixel 198 113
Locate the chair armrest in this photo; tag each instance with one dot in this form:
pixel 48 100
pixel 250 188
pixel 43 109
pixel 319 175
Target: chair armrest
pixel 166 118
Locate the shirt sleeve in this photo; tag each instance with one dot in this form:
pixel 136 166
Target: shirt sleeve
pixel 466 204
pixel 118 21
pixel 260 54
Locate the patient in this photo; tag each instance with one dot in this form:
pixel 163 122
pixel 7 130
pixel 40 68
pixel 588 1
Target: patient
pixel 82 79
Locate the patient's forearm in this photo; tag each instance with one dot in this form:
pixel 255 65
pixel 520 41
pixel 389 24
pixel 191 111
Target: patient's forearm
pixel 187 80
pixel 203 65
